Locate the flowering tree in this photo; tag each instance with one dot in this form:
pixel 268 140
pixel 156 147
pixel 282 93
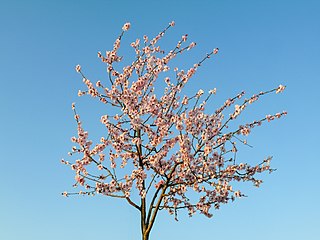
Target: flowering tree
pixel 163 153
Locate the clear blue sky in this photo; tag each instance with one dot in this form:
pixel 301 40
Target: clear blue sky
pixel 262 44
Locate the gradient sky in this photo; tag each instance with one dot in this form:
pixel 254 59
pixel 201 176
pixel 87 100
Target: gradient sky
pixel 262 44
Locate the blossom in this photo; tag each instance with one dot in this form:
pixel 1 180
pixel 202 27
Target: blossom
pixel 185 100
pixel 270 117
pixel 184 37
pixel 98 83
pixel 78 68
pixel 145 38
pixel 190 72
pixel 207 150
pixel 280 88
pixel 179 127
pixel 104 119
pixel 213 91
pixel 159 184
pixel 245 131
pixel 80 93
pixel 237 194
pixel 172 23
pixel 192 45
pixel 126 26
pixel 199 93
pixel 237 111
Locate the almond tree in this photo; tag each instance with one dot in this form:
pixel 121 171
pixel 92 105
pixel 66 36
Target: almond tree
pixel 162 152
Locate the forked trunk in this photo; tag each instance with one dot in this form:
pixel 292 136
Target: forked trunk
pixel 145 232
pixel 145 236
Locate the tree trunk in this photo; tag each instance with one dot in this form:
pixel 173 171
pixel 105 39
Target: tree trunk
pixel 144 227
pixel 145 236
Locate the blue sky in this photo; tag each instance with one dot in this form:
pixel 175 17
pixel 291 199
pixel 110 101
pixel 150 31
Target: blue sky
pixel 262 44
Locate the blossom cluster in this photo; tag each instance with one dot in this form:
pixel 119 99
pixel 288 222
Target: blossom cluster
pixel 163 147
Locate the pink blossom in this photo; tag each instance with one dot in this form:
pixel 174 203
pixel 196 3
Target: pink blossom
pixel 199 93
pixel 98 83
pixel 192 45
pixel 184 37
pixel 280 89
pixel 78 68
pixel 80 93
pixel 213 91
pixel 245 131
pixel 237 194
pixel 126 26
pixel 185 100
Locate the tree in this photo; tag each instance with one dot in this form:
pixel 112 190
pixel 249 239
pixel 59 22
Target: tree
pixel 164 153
